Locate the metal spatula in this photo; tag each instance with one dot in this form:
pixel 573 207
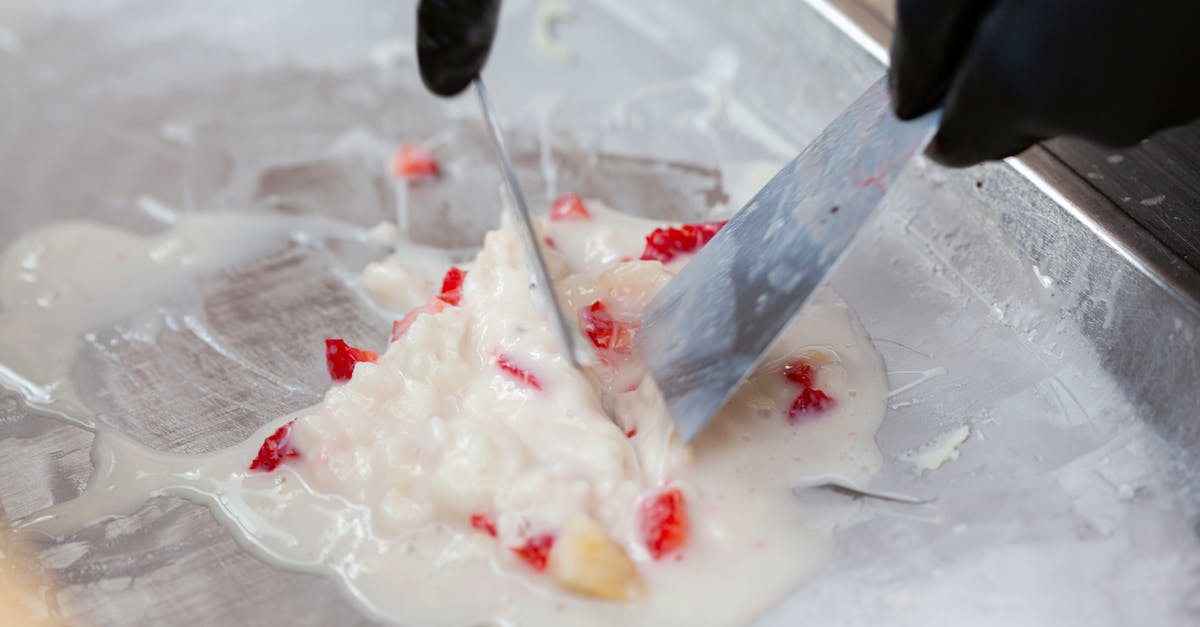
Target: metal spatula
pixel 454 38
pixel 539 274
pixel 708 328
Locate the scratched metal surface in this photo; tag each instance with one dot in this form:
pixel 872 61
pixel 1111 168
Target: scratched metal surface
pixel 993 307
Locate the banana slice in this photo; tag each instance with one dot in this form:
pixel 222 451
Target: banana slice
pixel 587 561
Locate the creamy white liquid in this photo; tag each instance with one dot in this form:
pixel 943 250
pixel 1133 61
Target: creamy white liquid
pixel 61 281
pixel 394 462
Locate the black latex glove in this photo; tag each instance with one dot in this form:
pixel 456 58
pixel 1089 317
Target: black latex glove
pixel 454 38
pixel 1012 72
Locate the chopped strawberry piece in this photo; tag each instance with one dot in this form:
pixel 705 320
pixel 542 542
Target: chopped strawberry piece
pixel 598 324
pixel 664 522
pixel 400 327
pixel 605 331
pixel 274 450
pixel 340 358
pixel 799 372
pixel 664 244
pixel 413 162
pixel 630 433
pixel 536 550
pixel 452 286
pixel 810 401
pixel 569 207
pixel 484 523
pixel 506 364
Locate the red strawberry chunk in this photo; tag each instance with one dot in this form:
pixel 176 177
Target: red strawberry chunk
pixel 631 432
pixel 274 450
pixel 605 331
pixel 452 286
pixel 664 522
pixel 520 374
pixel 413 162
pixel 536 550
pixel 799 372
pixel 484 523
pixel 664 244
pixel 400 327
pixel 598 324
pixel 569 207
pixel 810 401
pixel 340 358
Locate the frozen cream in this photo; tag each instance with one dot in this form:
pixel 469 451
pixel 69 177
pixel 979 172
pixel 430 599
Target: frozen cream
pixel 468 474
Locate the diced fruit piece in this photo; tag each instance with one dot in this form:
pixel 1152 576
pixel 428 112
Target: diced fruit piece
pixel 535 551
pixel 631 432
pixel 569 207
pixel 597 324
pixel 400 327
pixel 484 523
pixel 606 332
pixel 413 162
pixel 506 364
pixel 585 559
pixel 632 285
pixel 664 522
pixel 799 372
pixel 274 450
pixel 452 286
pixel 664 244
pixel 810 401
pixel 340 358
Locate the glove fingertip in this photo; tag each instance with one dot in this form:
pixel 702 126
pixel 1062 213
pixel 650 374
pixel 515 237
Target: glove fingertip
pixel 900 104
pixel 952 151
pixel 900 82
pixel 454 39
pixel 948 153
pixel 911 98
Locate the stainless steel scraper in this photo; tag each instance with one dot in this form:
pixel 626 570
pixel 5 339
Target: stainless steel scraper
pixel 539 274
pixel 705 332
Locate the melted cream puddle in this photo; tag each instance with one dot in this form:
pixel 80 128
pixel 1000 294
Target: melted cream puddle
pixel 63 280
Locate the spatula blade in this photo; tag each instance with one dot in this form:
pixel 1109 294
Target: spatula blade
pixel 708 328
pixel 539 273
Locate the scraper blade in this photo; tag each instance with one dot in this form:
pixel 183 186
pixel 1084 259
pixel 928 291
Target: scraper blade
pixel 539 274
pixel 705 332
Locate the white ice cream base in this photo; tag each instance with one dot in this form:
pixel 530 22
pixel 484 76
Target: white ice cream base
pixel 394 462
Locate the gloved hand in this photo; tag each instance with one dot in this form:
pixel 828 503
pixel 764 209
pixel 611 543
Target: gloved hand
pixel 1012 72
pixel 454 38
